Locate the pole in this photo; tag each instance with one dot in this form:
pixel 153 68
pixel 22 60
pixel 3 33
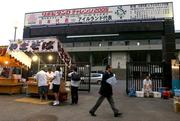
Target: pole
pixel 39 63
pixel 15 28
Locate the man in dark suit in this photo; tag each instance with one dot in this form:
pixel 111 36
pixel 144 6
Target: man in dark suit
pixel 106 92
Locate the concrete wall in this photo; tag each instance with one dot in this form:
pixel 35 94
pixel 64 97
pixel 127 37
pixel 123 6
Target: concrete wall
pixel 119 60
pixel 120 74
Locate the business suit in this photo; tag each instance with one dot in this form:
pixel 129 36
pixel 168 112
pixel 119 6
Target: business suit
pixel 105 92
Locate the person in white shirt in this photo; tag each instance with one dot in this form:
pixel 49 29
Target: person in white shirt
pixel 41 77
pixel 56 84
pixel 74 87
pixel 147 85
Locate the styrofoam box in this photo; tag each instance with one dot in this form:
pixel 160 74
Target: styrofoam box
pixel 139 94
pixel 177 92
pixel 157 94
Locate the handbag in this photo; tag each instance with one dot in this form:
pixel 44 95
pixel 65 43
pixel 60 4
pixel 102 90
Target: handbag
pixel 62 87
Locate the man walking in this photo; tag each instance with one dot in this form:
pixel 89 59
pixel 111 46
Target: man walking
pixel 106 92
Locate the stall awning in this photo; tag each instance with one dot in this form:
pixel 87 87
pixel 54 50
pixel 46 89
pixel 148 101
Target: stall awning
pixel 21 57
pixel 14 58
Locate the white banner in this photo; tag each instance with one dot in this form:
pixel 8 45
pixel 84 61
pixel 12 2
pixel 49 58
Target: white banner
pixel 35 45
pixel 101 14
pixel 41 45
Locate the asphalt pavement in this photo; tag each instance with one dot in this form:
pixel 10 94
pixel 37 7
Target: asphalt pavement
pixel 133 108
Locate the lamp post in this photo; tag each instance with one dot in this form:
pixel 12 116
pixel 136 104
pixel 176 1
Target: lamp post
pixel 15 28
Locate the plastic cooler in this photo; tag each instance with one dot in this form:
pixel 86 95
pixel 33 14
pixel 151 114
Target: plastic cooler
pixel 139 94
pixel 177 92
pixel 157 94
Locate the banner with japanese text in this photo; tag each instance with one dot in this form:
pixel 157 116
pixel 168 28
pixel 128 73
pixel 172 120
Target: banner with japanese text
pixel 35 45
pixel 38 45
pixel 101 14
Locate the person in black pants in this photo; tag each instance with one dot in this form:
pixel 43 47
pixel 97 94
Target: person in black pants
pixel 74 87
pixel 74 95
pixel 105 92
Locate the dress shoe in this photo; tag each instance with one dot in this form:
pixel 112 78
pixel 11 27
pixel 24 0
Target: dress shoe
pixel 92 113
pixel 117 114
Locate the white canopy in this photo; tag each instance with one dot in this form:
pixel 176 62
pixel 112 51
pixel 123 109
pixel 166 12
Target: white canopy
pixel 21 57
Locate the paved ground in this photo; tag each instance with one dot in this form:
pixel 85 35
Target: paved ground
pixel 133 109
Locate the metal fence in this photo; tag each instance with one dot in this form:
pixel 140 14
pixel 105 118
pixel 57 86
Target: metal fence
pixel 84 69
pixel 136 72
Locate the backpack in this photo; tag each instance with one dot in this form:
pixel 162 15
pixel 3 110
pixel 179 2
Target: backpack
pixel 132 93
pixel 75 77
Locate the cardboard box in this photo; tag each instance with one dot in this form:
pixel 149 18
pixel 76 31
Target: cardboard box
pixel 177 92
pixel 177 107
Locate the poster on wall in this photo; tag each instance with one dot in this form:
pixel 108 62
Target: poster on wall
pixel 101 14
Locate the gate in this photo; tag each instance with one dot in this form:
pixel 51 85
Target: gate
pixel 135 73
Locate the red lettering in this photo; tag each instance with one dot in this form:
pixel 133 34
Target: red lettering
pixel 75 11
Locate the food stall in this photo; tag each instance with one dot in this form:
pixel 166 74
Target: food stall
pixel 41 47
pixel 11 64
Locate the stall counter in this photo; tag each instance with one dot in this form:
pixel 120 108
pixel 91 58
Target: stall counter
pixel 10 86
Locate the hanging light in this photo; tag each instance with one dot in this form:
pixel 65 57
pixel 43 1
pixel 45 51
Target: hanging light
pixel 35 58
pixel 50 57
pixel 6 62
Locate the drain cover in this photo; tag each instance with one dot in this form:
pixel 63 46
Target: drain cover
pixel 43 118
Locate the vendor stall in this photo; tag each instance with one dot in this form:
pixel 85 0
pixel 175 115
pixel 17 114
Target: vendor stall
pixel 38 49
pixel 10 70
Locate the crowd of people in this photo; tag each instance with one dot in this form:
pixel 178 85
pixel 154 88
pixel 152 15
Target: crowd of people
pixel 52 80
pixel 49 78
pixel 45 78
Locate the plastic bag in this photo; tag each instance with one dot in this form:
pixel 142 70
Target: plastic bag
pixel 50 85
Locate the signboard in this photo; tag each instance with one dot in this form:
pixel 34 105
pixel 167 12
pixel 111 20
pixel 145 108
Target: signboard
pixel 40 45
pixel 36 45
pixel 101 14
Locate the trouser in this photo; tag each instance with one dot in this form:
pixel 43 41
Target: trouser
pixel 100 100
pixel 74 95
